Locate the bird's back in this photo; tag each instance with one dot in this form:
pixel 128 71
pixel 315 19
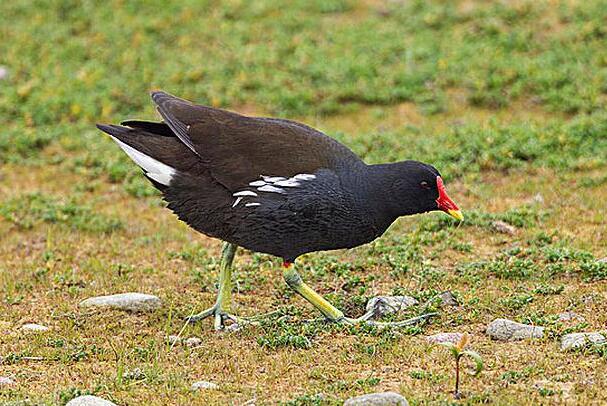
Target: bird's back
pixel 269 185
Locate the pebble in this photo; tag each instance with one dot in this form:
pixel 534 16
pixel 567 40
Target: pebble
pixel 444 338
pixel 38 328
pixel 133 302
pixel 505 330
pixel 538 198
pixel 503 227
pixel 3 72
pixel 190 342
pixel 193 342
pixel 448 299
pixel 570 316
pixel 6 381
pixel 174 340
pixel 89 400
pixel 578 340
pixel 384 305
pixel 204 385
pixel 134 374
pixel 378 399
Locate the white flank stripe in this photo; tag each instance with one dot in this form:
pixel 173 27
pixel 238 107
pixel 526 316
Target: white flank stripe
pixel 244 193
pixel 257 183
pixel 287 183
pixel 271 189
pixel 304 176
pixel 237 201
pixel 155 169
pixel 252 204
pixel 272 179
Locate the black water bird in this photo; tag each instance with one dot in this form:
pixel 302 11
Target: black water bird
pixel 272 186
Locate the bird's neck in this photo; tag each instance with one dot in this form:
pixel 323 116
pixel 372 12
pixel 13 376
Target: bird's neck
pixel 377 194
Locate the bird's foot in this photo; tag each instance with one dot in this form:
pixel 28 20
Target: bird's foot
pixel 366 319
pixel 222 319
pixel 225 320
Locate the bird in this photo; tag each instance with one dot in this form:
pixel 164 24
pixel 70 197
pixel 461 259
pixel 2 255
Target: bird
pixel 272 186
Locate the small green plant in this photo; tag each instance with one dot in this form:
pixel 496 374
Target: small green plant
pixel 458 351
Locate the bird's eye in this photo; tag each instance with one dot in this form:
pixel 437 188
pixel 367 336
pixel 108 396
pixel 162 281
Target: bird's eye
pixel 424 185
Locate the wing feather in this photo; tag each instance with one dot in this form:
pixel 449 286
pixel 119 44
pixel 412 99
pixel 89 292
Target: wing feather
pixel 239 149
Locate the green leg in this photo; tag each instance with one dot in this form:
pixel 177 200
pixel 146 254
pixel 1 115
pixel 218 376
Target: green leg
pixel 298 285
pixel 334 314
pixel 223 304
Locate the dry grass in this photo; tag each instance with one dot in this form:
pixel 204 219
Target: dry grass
pixel 393 80
pixel 90 351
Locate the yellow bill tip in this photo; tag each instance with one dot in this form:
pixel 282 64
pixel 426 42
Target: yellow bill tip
pixel 456 214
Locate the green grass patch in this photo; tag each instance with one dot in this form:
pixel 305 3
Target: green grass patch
pixel 29 210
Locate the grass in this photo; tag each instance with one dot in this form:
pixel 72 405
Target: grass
pixel 508 100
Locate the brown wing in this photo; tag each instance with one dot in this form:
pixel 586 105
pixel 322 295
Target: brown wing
pixel 238 149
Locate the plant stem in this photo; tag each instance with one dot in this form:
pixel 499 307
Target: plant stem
pixel 456 393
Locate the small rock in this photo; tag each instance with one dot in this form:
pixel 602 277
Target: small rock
pixel 383 305
pixel 570 316
pixel 234 327
pixel 6 381
pixel 193 342
pixel 174 340
pixel 503 227
pixel 204 385
pixel 603 260
pixel 578 340
pixel 444 338
pixel 378 399
pixel 3 72
pixel 505 330
pixel 38 328
pixel 133 302
pixel 89 400
pixel 134 374
pixel 448 299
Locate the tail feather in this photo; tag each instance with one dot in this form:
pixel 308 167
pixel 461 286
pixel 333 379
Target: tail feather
pixel 151 127
pixel 127 140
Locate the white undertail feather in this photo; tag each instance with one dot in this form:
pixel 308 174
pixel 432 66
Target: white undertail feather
pixel 155 169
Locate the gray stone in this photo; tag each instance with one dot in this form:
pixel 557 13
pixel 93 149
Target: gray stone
pixel 503 227
pixel 37 328
pixel 579 340
pixel 3 72
pixel 204 385
pixel 570 316
pixel 378 399
pixel 89 400
pixel 174 340
pixel 603 260
pixel 6 381
pixel 384 305
pixel 193 342
pixel 448 299
pixel 444 338
pixel 538 198
pixel 505 330
pixel 134 374
pixel 133 302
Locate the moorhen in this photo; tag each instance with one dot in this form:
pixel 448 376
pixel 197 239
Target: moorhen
pixel 273 186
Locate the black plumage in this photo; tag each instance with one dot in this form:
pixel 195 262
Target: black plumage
pixel 270 185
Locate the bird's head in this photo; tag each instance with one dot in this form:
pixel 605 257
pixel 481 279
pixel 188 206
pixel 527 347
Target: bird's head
pixel 419 188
